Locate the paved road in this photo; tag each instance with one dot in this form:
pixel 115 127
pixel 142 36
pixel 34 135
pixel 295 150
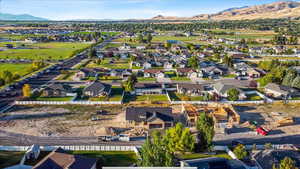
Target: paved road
pixel 44 78
pixel 249 138
pixel 15 139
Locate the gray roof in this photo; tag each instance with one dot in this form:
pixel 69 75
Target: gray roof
pixel 141 114
pixel 213 163
pixel 285 90
pixel 188 86
pixel 223 88
pixel 267 158
pixel 98 87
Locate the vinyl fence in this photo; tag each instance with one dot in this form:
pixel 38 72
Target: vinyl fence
pixel 73 148
pixel 67 102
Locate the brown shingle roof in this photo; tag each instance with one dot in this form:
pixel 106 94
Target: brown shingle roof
pixel 57 159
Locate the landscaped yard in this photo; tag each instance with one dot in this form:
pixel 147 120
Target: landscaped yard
pixel 116 95
pixel 146 98
pixel 201 155
pixel 10 158
pixel 41 51
pixel 54 98
pixel 144 79
pixel 180 79
pixel 253 97
pixel 111 158
pixel 105 63
pixel 174 96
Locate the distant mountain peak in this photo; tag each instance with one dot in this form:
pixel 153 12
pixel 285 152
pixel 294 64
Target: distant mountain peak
pixel 279 9
pixel 20 17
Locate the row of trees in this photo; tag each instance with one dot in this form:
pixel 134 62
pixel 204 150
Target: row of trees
pixel 142 39
pixel 161 150
pixel 280 73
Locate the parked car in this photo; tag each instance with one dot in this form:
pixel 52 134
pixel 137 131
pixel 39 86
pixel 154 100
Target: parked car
pixel 262 131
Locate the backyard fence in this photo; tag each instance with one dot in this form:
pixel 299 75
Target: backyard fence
pixel 73 148
pixel 218 102
pixel 67 102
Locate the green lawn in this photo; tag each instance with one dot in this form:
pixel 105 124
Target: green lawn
pixel 174 96
pixel 143 79
pixel 253 97
pixel 201 155
pixel 54 98
pixel 119 64
pixel 116 95
pixel 9 158
pixel 180 79
pixel 21 69
pixel 152 98
pixel 40 51
pixel 111 158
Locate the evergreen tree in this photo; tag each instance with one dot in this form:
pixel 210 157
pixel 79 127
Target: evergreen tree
pixel 205 126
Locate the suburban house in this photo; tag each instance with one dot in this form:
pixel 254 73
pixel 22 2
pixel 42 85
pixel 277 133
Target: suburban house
pixel 84 73
pixel 125 46
pixel 279 91
pixel 57 90
pixel 59 159
pixel 213 71
pixel 168 65
pixel 154 73
pixel 191 89
pixel 189 72
pixel 148 88
pixel 221 90
pixel 266 159
pixel 97 89
pixel 149 117
pixel 120 73
pixel 213 163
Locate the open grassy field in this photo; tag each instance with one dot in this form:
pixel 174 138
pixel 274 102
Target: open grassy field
pixel 21 69
pixel 41 51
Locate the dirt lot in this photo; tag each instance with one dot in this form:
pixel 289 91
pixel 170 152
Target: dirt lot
pixel 262 114
pixel 68 120
pixel 61 120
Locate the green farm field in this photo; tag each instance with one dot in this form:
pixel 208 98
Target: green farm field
pixel 21 69
pixel 41 51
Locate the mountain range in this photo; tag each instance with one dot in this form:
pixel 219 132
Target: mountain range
pixel 281 9
pixel 22 17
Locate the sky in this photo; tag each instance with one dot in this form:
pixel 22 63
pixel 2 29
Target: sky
pixel 119 9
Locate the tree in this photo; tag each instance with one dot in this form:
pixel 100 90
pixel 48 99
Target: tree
pixel 193 62
pixel 296 82
pixel 286 163
pixel 2 82
pixel 179 139
pixel 130 83
pixel 233 94
pixel 228 61
pixel 168 45
pixel 92 53
pixel 205 126
pixel 140 38
pixel 240 152
pixel 289 77
pixel 149 37
pixel 26 90
pixel 154 153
